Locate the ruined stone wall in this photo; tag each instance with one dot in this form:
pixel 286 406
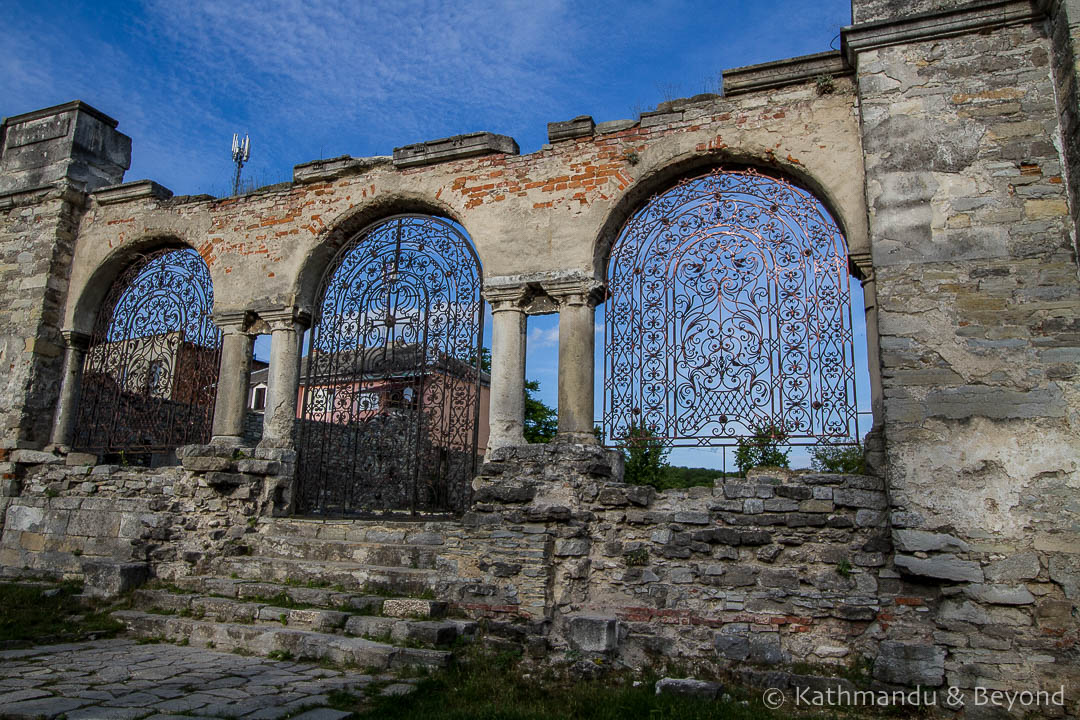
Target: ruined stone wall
pixel 37 238
pixel 541 215
pixel 978 307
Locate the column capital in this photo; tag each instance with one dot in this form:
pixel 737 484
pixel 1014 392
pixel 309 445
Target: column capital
pixel 863 263
pixel 506 297
pixel 75 339
pixel 237 322
pixel 289 318
pixel 576 291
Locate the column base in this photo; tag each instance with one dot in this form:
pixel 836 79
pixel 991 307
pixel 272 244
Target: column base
pixel 227 440
pixel 576 438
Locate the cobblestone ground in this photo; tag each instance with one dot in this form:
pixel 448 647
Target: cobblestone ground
pixel 123 680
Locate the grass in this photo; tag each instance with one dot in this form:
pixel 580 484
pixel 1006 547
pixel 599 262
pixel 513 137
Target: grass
pixel 36 614
pixel 499 686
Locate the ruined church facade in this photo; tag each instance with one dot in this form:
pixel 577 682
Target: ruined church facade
pixel 943 142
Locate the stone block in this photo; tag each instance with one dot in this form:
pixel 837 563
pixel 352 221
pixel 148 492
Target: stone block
pixel 1000 594
pixel 567 547
pixel 35 457
pixel 413 607
pixel 206 463
pixel 848 497
pixel 225 480
pixel 581 126
pixel 943 567
pixel 921 541
pixel 110 579
pixel 593 633
pixel 905 663
pixel 457 147
pixel 690 517
pixel 732 646
pixel 78 458
pixel 765 648
pixel 1022 566
pixel 688 687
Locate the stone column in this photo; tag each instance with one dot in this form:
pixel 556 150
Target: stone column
pixel 286 334
pixel 231 404
pixel 507 415
pixel 873 350
pixel 75 345
pixel 577 340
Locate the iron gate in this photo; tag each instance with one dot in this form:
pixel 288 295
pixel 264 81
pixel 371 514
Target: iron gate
pixel 729 311
pixel 391 379
pixel 151 369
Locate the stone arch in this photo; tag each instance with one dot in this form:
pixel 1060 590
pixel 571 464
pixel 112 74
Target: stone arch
pixel 150 371
pixel 346 226
pixel 86 300
pixel 393 388
pixel 849 217
pixel 730 309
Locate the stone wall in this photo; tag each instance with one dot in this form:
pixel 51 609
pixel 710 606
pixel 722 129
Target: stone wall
pixel 978 307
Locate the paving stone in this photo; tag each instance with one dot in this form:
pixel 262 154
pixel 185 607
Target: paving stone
pixel 48 707
pixel 98 712
pixel 18 695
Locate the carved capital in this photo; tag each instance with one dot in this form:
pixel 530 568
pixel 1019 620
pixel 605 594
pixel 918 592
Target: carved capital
pixel 289 318
pixel 576 291
pixel 75 340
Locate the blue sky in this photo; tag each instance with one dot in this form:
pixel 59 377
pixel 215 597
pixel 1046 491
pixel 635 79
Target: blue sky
pixel 311 78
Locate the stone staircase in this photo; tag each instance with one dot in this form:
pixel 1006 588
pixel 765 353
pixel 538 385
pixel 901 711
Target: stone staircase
pixel 349 592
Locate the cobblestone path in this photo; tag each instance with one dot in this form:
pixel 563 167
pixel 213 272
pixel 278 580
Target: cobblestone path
pixel 123 680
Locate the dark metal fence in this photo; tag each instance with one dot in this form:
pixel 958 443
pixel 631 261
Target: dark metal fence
pixel 391 380
pixel 729 314
pixel 151 370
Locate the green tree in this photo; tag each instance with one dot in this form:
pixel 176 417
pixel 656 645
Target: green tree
pixel 541 422
pixel 646 457
pixel 763 448
pixel 838 459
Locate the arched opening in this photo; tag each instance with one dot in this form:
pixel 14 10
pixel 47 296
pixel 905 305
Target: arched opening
pixel 729 315
pixel 150 373
pixel 391 383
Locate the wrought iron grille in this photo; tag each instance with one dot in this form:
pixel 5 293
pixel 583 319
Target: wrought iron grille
pixel 729 310
pixel 391 379
pixel 151 369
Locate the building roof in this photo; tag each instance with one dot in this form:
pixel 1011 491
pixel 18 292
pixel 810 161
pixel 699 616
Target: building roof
pixel 379 363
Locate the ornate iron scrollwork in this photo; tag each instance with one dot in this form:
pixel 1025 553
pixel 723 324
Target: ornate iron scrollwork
pixel 729 310
pixel 391 379
pixel 151 369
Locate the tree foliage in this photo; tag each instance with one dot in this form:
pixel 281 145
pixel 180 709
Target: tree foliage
pixel 763 448
pixel 541 422
pixel 646 457
pixel 838 459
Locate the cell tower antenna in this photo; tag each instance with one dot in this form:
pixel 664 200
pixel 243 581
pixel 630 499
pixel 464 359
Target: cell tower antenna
pixel 241 151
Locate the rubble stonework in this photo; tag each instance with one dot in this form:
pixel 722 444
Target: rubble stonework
pixel 943 139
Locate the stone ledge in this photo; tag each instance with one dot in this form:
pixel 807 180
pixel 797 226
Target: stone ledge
pixel 335 168
pixel 934 25
pixel 457 147
pixel 783 72
pixel 136 190
pixel 581 126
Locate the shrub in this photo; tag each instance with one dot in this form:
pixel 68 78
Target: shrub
pixel 838 459
pixel 763 448
pixel 646 457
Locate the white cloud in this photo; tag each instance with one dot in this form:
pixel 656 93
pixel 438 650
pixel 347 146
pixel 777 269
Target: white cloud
pixel 540 338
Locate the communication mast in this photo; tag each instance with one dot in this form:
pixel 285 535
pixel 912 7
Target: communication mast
pixel 241 151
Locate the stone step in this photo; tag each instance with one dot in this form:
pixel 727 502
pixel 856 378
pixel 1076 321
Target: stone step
pixel 267 639
pixel 411 621
pixel 430 534
pixel 255 590
pixel 360 552
pixel 349 577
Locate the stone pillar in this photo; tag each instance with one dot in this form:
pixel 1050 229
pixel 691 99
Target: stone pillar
pixel 231 404
pixel 873 350
pixel 507 415
pixel 75 345
pixel 286 334
pixel 577 339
